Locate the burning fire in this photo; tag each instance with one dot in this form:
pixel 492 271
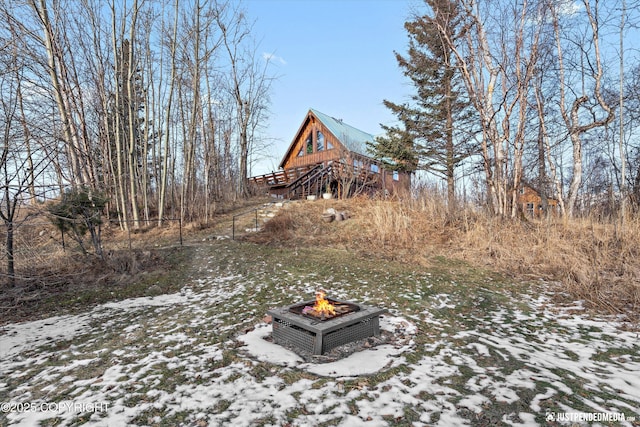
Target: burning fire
pixel 322 306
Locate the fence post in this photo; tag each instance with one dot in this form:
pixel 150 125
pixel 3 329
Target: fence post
pixel 256 228
pixel 233 228
pixel 180 226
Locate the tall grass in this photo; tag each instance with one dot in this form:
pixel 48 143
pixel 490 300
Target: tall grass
pixel 592 260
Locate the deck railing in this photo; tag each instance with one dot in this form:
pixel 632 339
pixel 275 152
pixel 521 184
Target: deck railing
pixel 303 181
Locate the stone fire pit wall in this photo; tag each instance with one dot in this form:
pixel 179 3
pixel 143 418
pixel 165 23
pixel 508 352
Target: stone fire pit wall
pixel 318 337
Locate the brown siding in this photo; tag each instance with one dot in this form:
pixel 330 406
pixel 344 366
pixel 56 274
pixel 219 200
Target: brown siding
pixel 530 202
pixel 311 159
pixel 402 185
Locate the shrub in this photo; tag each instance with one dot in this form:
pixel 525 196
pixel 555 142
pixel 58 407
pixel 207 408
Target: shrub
pixel 78 211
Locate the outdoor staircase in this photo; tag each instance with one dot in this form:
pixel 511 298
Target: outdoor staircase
pixel 310 183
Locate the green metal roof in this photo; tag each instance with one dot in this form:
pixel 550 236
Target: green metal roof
pixel 353 139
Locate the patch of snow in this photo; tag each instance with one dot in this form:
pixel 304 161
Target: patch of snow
pixel 474 402
pixel 442 301
pixel 266 351
pixel 135 303
pixel 365 362
pixel 527 419
pixel 17 338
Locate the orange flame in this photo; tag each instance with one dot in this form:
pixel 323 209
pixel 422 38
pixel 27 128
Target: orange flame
pixel 322 306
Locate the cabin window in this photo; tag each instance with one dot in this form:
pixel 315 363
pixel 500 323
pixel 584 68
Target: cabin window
pixel 521 190
pixel 374 168
pixel 530 209
pixel 309 144
pixel 329 145
pixel 301 152
pixel 320 140
pixel 396 176
pixel 357 163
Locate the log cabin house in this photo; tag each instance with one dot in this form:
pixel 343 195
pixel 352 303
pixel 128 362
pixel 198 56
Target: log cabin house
pixel 330 156
pixel 530 201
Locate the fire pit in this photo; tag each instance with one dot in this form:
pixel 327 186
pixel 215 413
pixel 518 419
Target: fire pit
pixel 316 327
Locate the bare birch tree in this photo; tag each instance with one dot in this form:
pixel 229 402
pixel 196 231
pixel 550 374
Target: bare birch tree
pixel 249 82
pixel 167 120
pixel 60 84
pixel 623 162
pixel 581 115
pixel 132 106
pixel 497 68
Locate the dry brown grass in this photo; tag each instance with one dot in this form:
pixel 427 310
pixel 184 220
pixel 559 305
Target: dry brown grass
pixel 594 261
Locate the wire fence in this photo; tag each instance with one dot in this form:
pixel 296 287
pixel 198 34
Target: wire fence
pixel 253 212
pixel 35 238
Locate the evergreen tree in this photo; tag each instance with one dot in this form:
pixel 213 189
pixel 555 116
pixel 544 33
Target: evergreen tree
pixel 396 149
pixel 79 211
pixel 429 136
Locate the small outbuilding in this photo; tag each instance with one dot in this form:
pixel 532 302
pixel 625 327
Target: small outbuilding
pixel 531 202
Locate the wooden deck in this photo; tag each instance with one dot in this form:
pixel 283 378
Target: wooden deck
pixel 281 177
pixel 315 179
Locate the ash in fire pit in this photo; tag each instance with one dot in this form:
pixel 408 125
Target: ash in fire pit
pixel 315 327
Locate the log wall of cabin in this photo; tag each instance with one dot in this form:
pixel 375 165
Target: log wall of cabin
pixel 397 186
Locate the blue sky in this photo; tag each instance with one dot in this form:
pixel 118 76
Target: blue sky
pixel 332 55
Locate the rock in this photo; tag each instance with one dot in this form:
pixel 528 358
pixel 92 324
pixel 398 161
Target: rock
pixel 154 290
pixel 328 217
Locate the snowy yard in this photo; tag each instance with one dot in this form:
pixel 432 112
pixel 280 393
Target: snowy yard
pixel 478 351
